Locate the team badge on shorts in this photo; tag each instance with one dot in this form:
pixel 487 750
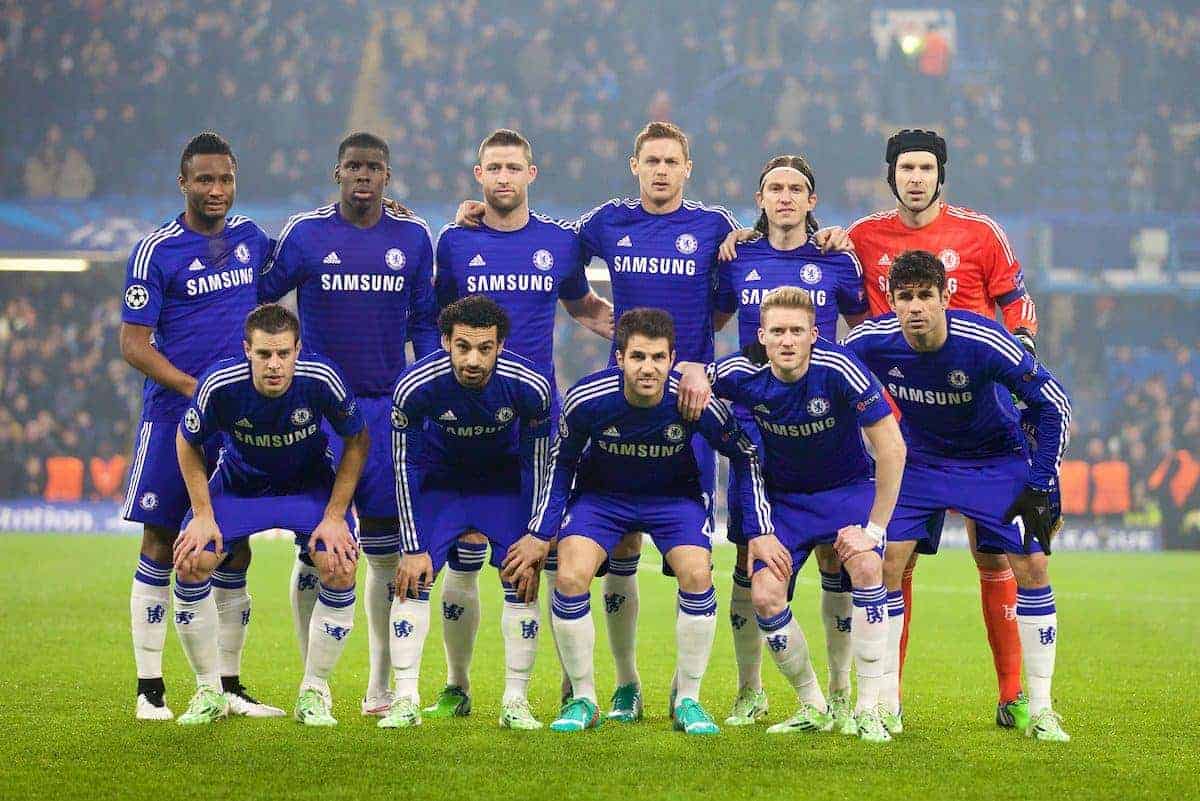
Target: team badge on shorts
pixel 148 501
pixel 191 420
pixel 301 416
pixel 686 244
pixel 949 259
pixel 543 259
pixel 504 414
pixel 957 378
pixel 394 258
pixel 399 419
pixel 242 253
pixel 810 274
pixel 674 433
pixel 136 297
pixel 818 407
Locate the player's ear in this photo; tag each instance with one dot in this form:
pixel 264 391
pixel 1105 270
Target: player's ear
pixel 687 169
pixel 445 343
pixel 633 165
pixel 246 348
pixel 337 173
pixel 762 337
pixel 478 170
pixel 532 173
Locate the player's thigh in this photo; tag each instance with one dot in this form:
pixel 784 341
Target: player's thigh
pixel 1030 570
pixel 692 565
pixel 629 546
pixel 895 559
pixel 238 557
pixel 984 560
pixel 579 557
pixel 158 542
pixel 827 558
pixel 768 593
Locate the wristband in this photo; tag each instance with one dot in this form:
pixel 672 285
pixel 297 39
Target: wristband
pixel 875 531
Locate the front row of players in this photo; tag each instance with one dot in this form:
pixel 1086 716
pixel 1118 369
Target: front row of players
pixel 473 451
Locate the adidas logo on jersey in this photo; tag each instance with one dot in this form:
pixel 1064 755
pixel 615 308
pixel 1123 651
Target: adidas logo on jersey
pixel 625 242
pixel 244 423
pixel 612 431
pixel 477 261
pixel 762 408
pixel 895 373
pixel 885 261
pixel 332 258
pixel 753 276
pixel 196 265
pixel 448 416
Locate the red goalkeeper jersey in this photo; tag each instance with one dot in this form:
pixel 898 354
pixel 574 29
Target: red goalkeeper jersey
pixel 981 270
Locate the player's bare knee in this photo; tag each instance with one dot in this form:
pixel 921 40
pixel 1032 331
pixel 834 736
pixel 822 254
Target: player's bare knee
pixel 335 575
pixel 1031 570
pixel 629 546
pixel 895 561
pixel 827 559
pixel 695 575
pixel 573 579
pixel 239 556
pixel 743 556
pixel 990 561
pixel 199 570
pixel 865 569
pixel 768 594
pixel 472 537
pixel 158 543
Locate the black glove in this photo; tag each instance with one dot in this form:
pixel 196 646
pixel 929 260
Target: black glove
pixel 1041 514
pixel 1026 339
pixel 755 352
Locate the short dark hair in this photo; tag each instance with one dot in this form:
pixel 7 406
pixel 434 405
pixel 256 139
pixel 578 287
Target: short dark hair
pixel 505 137
pixel 271 318
pixel 917 268
pixel 650 323
pixel 661 130
pixel 364 139
pixel 205 143
pixel 474 311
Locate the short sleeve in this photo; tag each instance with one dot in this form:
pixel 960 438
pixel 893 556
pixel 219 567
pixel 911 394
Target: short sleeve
pixel 145 286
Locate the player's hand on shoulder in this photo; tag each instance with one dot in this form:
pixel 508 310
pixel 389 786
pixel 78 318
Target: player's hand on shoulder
pixel 470 213
pixel 694 390
pixel 192 541
pixel 853 540
pixel 396 207
pixel 339 543
pixel 768 549
pixel 414 574
pixel 525 556
pixel 728 249
pixel 833 239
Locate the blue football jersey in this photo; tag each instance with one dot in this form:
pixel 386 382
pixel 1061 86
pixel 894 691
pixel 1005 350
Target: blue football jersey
pixel 834 280
pixel 361 293
pixel 956 403
pixel 607 445
pixel 194 291
pixel 272 446
pixel 445 435
pixel 664 261
pixel 811 427
pixel 525 271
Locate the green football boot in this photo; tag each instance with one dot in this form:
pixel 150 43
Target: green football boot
pixel 893 721
pixel 516 714
pixel 626 704
pixel 451 703
pixel 842 712
pixel 871 728
pixel 690 718
pixel 1047 726
pixel 208 705
pixel 312 708
pixel 806 718
pixel 578 714
pixel 749 707
pixel 404 714
pixel 1013 714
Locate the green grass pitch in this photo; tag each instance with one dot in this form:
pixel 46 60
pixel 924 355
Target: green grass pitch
pixel 1128 665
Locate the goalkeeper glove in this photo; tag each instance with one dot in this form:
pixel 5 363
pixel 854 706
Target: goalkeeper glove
pixel 1041 516
pixel 1026 339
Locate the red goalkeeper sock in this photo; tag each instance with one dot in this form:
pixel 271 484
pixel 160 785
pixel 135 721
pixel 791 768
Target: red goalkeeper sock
pixel 998 593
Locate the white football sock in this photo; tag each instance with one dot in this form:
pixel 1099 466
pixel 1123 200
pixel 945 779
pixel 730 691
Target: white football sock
pixel 836 605
pixel 377 598
pixel 869 638
pixel 519 625
pixel 576 635
pixel 621 615
pixel 747 642
pixel 889 688
pixel 196 625
pixel 303 594
pixel 460 624
pixel 149 611
pixel 330 627
pixel 695 628
pixel 789 649
pixel 233 619
pixel 410 627
pixel 1037 622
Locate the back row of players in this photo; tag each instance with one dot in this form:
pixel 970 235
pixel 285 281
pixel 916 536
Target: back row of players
pixel 366 284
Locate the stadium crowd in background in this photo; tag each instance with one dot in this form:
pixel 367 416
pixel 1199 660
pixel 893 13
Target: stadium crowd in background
pixel 582 77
